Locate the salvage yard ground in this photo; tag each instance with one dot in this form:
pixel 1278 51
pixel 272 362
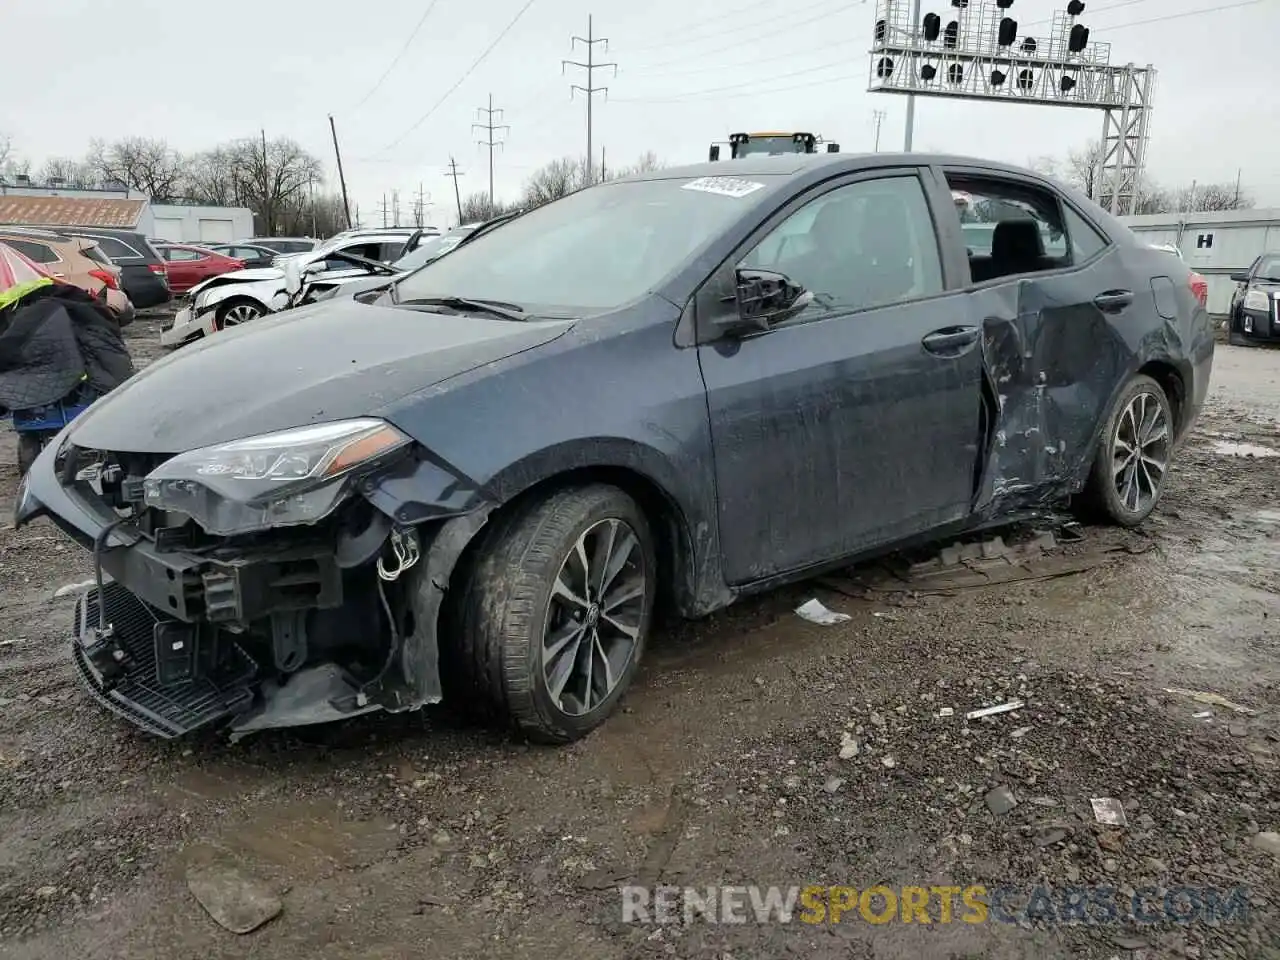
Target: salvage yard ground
pixel 419 836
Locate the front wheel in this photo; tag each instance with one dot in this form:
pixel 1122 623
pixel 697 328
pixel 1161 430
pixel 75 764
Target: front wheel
pixel 235 312
pixel 1133 454
pixel 555 612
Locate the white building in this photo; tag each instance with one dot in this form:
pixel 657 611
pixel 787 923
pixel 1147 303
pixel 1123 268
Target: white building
pixel 1215 244
pixel 122 209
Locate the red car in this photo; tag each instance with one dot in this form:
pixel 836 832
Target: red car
pixel 189 264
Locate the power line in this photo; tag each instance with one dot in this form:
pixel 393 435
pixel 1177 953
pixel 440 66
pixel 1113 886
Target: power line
pixel 386 73
pixel 590 90
pixel 861 74
pixel 489 127
pixel 462 79
pixel 842 62
pixel 737 44
pixel 1179 16
pixel 718 23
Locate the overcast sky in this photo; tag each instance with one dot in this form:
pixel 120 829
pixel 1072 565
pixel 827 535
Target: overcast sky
pixel 688 74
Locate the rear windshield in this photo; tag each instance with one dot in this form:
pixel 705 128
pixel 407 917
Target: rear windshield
pixel 594 250
pixel 118 249
pixel 289 246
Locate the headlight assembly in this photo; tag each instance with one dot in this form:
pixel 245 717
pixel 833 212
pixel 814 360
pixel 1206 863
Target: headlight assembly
pixel 1257 300
pixel 291 477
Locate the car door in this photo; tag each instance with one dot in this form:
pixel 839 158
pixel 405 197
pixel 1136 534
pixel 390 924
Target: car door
pixel 183 272
pixel 1052 296
pixel 856 422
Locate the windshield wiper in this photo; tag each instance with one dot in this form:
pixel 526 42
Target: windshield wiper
pixel 496 308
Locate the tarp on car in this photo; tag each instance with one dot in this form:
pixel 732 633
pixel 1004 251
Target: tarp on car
pixel 18 273
pixel 53 338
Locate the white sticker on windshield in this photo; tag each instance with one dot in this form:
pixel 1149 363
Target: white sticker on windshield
pixel 725 186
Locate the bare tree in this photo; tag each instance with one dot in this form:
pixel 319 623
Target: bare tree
pixel 147 165
pixel 276 179
pixel 557 179
pixel 11 165
pixel 1083 169
pixel 66 172
pixel 477 208
pixel 1211 196
pixel 645 163
pixel 1047 165
pixel 215 177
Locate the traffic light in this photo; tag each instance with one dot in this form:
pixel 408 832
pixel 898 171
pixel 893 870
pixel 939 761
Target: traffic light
pixel 1066 84
pixel 1078 39
pixel 885 67
pixel 1004 4
pixel 951 36
pixel 1028 45
pixel 881 28
pixel 1026 79
pixel 1008 31
pixel 928 72
pixel 997 78
pixel 1075 8
pixel 955 73
pixel 932 26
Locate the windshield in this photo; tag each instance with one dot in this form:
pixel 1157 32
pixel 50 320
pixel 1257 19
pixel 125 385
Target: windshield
pixel 769 146
pixel 593 250
pixel 1269 269
pixel 426 252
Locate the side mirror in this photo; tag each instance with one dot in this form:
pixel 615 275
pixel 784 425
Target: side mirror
pixel 765 298
pixel 1239 278
pixel 833 148
pixel 715 152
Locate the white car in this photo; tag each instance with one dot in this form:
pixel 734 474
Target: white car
pixel 244 295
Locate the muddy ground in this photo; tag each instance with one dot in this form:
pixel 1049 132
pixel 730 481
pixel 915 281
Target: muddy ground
pixel 419 836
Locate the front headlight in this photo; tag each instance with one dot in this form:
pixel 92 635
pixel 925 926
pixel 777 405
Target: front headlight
pixel 1257 300
pixel 291 477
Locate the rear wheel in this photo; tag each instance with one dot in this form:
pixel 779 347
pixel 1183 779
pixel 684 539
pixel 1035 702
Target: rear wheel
pixel 238 311
pixel 554 613
pixel 29 447
pixel 1133 454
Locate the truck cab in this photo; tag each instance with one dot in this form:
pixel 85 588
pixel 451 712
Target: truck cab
pixel 770 144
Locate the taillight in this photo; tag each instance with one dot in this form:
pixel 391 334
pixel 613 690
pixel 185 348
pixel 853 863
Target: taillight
pixel 106 277
pixel 1200 287
pixel 157 268
pixel 237 264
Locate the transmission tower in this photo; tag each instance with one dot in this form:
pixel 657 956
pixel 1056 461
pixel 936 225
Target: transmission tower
pixel 490 128
pixel 590 90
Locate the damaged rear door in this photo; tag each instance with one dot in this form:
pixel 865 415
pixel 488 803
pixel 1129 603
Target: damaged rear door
pixel 855 422
pixel 1061 317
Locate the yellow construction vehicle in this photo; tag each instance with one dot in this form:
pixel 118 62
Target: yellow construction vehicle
pixel 770 144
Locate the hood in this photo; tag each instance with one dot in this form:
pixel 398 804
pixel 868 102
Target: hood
pixel 238 276
pixel 328 361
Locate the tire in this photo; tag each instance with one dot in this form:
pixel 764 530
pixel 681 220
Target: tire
pixel 495 656
pixel 29 447
pixel 1109 495
pixel 236 311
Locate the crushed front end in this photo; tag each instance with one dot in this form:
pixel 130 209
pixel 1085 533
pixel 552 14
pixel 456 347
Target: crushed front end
pixel 260 583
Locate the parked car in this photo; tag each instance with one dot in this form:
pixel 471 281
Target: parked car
pixel 478 485
pixel 236 298
pixel 142 271
pixel 189 265
pixel 282 244
pixel 1255 304
pixel 77 260
pixel 251 255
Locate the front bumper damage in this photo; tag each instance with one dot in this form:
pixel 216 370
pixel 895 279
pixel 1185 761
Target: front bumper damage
pixel 186 632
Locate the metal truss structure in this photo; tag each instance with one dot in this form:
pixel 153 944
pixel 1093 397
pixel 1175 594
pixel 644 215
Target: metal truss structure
pixel 966 60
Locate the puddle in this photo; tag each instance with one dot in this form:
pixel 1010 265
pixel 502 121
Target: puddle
pixel 1230 448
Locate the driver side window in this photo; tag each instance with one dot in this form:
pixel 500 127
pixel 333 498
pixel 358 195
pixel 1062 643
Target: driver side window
pixel 863 245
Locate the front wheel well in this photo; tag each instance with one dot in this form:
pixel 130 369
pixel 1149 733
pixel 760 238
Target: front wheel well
pixel 666 524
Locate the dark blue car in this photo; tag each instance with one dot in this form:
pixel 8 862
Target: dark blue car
pixel 476 482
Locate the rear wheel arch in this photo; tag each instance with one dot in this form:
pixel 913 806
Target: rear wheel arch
pixel 1174 385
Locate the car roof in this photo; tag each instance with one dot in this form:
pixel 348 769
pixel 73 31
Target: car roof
pixel 35 233
pixel 794 164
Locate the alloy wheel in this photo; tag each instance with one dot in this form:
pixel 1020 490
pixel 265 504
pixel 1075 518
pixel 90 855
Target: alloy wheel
pixel 1140 451
pixel 240 313
pixel 594 617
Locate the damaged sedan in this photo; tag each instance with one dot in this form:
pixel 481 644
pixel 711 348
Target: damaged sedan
pixel 479 482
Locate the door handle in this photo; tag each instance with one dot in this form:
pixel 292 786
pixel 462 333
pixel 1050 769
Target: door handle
pixel 1113 301
pixel 950 339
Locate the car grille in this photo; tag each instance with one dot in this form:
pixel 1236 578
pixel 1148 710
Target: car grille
pixel 167 710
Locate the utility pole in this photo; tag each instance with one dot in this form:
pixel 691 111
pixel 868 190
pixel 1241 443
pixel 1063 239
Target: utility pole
pixel 878 119
pixel 383 208
pixel 590 90
pixel 455 173
pixel 1236 202
pixel 911 97
pixel 489 127
pixel 602 173
pixel 346 207
pixel 420 206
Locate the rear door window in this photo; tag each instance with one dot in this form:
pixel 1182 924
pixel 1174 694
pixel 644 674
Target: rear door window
pixel 94 253
pixel 37 252
pixel 117 249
